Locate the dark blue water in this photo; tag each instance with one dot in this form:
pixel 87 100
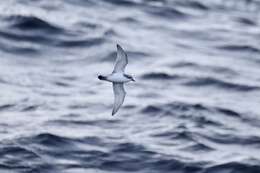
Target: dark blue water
pixel 195 107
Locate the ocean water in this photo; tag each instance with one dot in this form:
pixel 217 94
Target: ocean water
pixel 194 108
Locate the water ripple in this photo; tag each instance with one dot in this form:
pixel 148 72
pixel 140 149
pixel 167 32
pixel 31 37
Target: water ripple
pixel 195 108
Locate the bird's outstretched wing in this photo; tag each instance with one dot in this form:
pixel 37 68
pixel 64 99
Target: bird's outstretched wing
pixel 119 94
pixel 121 60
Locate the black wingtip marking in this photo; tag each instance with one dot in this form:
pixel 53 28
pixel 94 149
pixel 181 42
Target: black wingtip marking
pixel 118 46
pixel 100 77
pixel 113 113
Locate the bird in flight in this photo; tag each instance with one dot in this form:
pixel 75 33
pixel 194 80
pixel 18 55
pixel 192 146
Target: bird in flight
pixel 118 78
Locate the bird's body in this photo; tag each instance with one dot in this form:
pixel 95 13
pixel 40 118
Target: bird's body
pixel 118 78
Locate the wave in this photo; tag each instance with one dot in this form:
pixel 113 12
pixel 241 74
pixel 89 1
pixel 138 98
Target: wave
pixel 159 76
pixel 183 135
pixel 194 5
pixel 19 106
pixel 233 139
pixel 213 68
pixel 103 123
pixel 246 21
pixel 240 48
pixel 80 42
pixel 25 34
pixel 176 106
pixel 210 81
pixel 16 36
pixel 229 112
pixel 19 151
pixel 183 64
pixel 133 157
pixel 49 140
pixel 127 3
pixel 19 49
pixel 166 12
pixel 129 20
pixel 196 113
pixel 6 107
pixel 197 5
pixel 19 159
pixel 28 34
pixel 151 109
pixel 198 148
pixel 31 23
pixel 234 167
pixel 170 165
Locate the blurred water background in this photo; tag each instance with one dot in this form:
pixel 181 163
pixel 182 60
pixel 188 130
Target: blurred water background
pixel 194 108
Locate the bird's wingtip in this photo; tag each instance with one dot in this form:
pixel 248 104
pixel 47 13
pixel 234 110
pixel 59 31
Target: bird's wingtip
pixel 118 46
pixel 114 111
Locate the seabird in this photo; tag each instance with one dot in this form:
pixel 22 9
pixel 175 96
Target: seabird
pixel 118 78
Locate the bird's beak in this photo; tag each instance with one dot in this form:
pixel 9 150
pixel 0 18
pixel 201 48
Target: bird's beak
pixel 133 80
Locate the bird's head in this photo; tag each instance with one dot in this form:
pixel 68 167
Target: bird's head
pixel 130 77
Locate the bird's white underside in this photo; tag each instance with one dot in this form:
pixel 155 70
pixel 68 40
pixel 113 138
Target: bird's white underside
pixel 118 78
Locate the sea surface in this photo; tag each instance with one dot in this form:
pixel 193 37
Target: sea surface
pixel 194 108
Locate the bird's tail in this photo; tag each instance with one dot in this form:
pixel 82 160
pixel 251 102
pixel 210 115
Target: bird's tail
pixel 100 77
